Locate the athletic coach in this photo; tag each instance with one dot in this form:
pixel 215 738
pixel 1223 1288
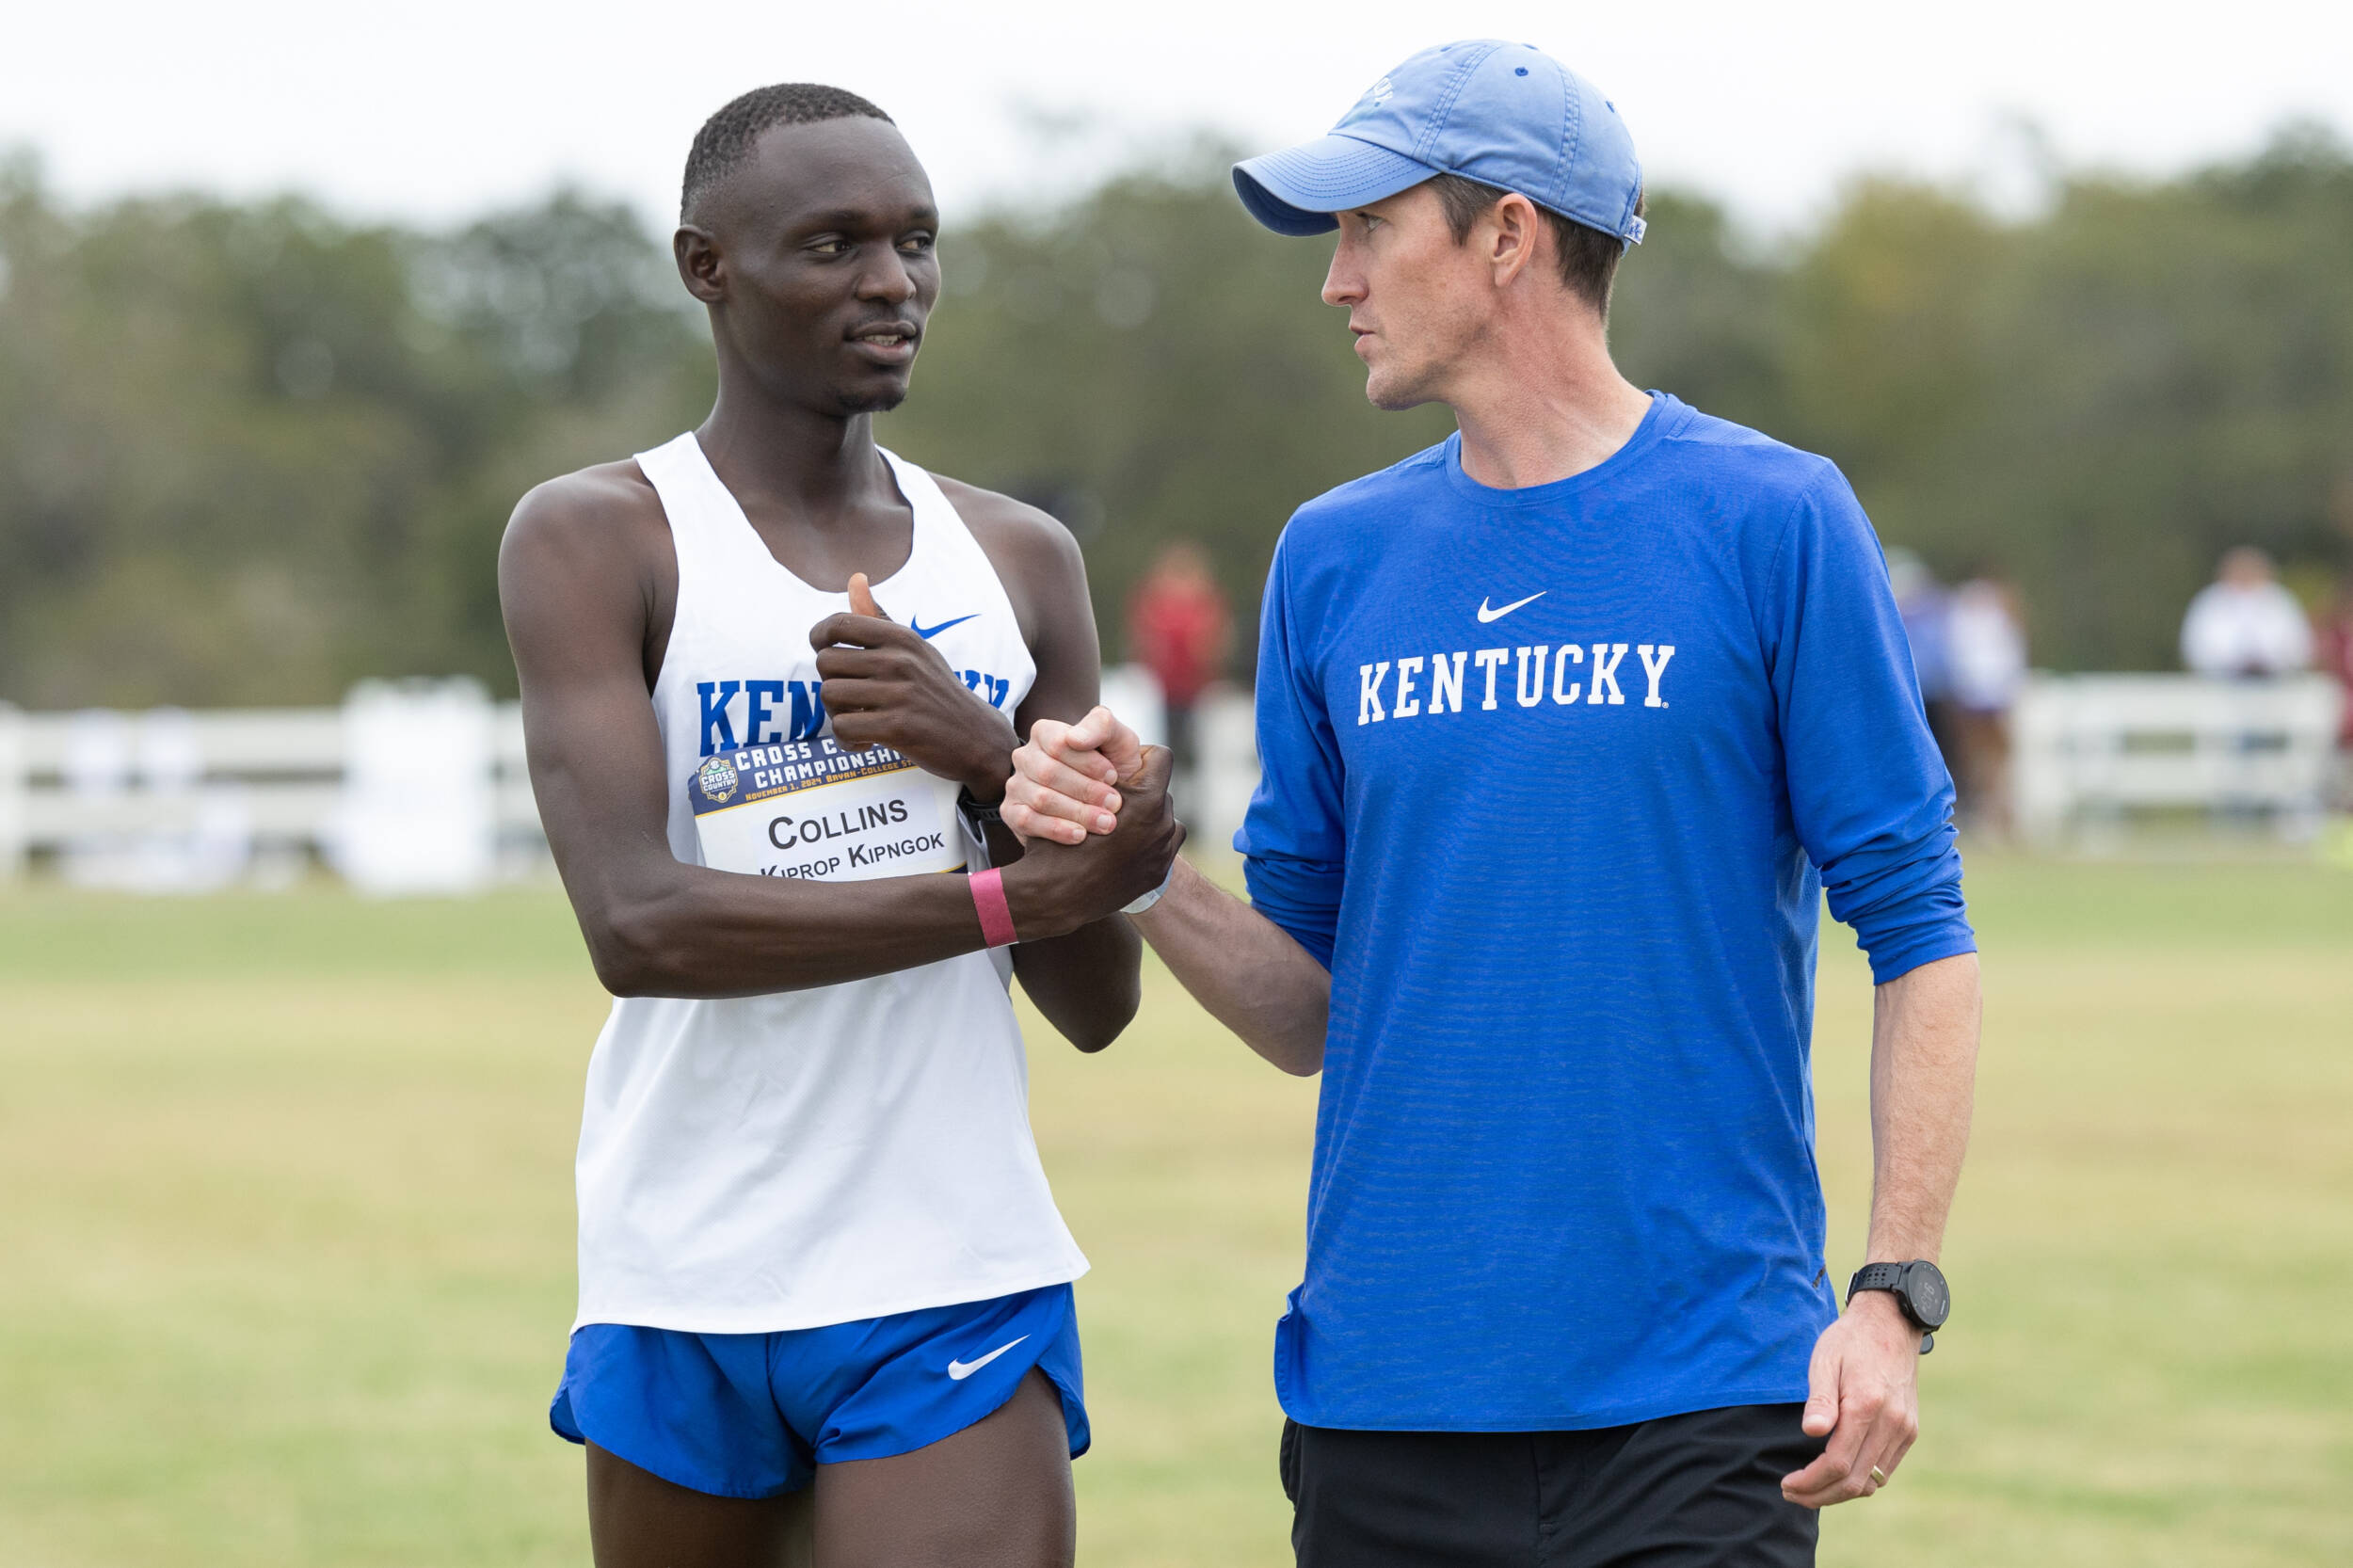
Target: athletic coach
pixel 1568 722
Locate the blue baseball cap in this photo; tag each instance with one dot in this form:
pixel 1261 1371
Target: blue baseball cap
pixel 1507 115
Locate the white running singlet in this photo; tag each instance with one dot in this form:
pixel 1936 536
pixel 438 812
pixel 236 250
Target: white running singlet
pixel 784 1161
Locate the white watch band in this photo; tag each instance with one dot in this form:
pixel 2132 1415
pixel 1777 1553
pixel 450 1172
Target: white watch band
pixel 1148 900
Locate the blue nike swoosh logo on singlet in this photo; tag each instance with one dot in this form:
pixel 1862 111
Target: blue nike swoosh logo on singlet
pixel 928 633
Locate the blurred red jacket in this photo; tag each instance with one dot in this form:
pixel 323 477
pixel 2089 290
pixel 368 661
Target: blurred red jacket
pixel 2333 643
pixel 1179 629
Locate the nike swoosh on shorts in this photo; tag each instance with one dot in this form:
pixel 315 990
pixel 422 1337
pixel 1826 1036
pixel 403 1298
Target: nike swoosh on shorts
pixel 959 1370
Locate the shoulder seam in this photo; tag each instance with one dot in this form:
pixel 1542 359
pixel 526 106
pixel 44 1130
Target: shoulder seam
pixel 1805 493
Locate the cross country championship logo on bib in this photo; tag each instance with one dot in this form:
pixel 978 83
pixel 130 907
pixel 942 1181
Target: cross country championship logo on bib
pixel 717 780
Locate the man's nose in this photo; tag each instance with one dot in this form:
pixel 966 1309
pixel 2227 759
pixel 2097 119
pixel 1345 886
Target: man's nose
pixel 1343 285
pixel 886 278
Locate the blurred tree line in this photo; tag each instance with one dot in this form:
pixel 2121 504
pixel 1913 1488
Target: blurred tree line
pixel 249 453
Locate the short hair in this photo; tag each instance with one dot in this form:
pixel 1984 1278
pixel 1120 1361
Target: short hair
pixel 1589 257
pixel 726 140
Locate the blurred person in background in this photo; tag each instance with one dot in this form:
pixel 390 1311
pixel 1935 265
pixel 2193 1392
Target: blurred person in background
pixel 2333 638
pixel 2244 625
pixel 1179 628
pixel 1568 724
pixel 1986 665
pixel 1925 606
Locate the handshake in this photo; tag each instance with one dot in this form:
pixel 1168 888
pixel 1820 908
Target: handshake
pixel 1089 801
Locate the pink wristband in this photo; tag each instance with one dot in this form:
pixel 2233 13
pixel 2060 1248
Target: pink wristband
pixel 988 897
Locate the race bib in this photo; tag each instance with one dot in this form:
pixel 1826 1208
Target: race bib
pixel 812 809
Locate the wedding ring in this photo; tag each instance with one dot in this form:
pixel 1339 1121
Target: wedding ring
pixel 1879 1476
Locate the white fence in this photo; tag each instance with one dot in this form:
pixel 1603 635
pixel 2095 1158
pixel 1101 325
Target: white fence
pixel 2092 749
pixel 420 786
pixel 410 786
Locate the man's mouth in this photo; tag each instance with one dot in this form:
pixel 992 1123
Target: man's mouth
pixel 890 342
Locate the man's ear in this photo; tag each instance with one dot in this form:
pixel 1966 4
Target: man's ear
pixel 700 266
pixel 1513 224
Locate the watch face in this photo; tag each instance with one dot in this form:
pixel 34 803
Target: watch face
pixel 1931 1300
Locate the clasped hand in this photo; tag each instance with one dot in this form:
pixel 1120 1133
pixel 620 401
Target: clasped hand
pixel 1090 801
pixel 884 685
pixel 1067 778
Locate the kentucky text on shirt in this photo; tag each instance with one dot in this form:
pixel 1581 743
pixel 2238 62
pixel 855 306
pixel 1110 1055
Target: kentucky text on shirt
pixel 1595 681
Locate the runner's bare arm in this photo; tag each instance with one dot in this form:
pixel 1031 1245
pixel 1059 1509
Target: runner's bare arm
pixel 584 575
pixel 1086 984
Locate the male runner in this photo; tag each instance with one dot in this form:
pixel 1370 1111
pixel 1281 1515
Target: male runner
pixel 817 1253
pixel 1567 723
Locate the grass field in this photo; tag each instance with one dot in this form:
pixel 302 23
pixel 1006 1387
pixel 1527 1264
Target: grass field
pixel 285 1236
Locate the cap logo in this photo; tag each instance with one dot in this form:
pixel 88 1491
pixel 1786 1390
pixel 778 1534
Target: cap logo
pixel 1371 103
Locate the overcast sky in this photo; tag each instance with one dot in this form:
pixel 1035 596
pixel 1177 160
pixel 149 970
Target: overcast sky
pixel 436 110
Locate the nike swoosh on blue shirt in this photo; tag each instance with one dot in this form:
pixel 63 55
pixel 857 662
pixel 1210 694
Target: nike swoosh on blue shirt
pixel 1486 615
pixel 928 633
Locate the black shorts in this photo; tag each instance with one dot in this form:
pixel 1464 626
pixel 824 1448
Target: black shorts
pixel 1697 1491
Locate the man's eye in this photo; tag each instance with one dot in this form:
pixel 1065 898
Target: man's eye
pixel 829 248
pixel 919 245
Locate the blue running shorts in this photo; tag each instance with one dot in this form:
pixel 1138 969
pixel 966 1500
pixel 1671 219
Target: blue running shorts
pixel 754 1414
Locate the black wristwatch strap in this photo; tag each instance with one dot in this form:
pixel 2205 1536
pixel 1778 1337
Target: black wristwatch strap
pixel 1895 1278
pixel 982 816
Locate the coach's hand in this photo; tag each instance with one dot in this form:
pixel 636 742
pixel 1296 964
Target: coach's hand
pixel 1066 779
pixel 1056 886
pixel 884 685
pixel 1864 1395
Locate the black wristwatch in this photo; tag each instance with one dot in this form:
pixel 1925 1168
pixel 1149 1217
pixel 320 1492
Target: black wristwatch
pixel 982 817
pixel 1918 1287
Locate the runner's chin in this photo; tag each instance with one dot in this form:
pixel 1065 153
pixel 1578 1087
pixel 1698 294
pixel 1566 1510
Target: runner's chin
pixel 873 399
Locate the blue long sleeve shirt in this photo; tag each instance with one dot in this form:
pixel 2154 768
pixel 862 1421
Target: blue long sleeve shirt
pixel 1555 780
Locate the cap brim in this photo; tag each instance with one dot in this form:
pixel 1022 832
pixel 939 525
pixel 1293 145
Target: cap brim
pixel 1297 190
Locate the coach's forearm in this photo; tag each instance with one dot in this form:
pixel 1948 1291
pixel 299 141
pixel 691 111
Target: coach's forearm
pixel 1244 967
pixel 1924 1065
